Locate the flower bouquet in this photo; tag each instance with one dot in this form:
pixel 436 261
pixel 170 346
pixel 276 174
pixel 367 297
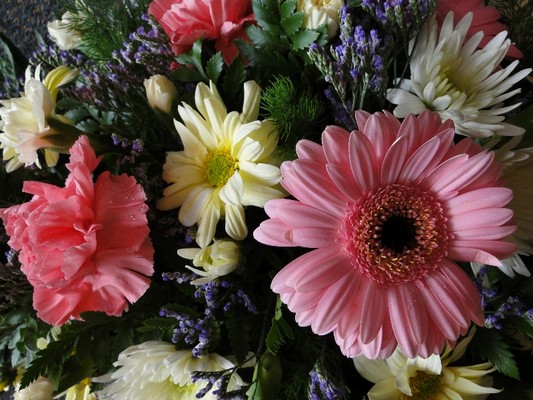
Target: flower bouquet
pixel 269 199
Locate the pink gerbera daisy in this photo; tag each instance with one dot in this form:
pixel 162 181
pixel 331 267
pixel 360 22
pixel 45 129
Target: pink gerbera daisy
pixel 387 208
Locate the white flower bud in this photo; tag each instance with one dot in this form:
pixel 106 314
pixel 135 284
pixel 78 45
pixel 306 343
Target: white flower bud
pixel 160 92
pixel 62 33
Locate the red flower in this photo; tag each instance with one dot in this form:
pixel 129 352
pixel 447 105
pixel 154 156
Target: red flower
pixel 185 21
pixel 85 246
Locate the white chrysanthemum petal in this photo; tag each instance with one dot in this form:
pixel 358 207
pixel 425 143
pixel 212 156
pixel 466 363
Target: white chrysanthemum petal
pixel 451 76
pixel 156 370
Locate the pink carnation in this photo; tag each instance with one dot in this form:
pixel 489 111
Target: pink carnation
pixel 85 246
pixel 185 21
pixel 387 209
pixel 485 19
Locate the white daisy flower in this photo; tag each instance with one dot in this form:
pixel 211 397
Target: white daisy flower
pixel 450 76
pixel 399 377
pixel 157 371
pixel 227 163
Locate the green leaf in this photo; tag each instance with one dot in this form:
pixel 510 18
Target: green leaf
pixel 265 12
pixel 292 23
pixel 258 36
pixel 234 78
pixel 287 8
pixel 157 324
pixel 214 67
pixel 266 379
pixel 521 324
pixel 279 331
pixel 7 65
pixel 491 346
pixel 239 333
pixel 302 39
pixel 185 74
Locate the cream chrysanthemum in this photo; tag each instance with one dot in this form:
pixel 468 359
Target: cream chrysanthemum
pixel 216 260
pixel 321 12
pixel 450 76
pixel 157 371
pixel 227 163
pixel 24 121
pixel 401 378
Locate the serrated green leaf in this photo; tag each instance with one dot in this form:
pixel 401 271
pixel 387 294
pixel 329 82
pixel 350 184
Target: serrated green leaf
pixel 234 78
pixel 292 23
pixel 521 324
pixel 265 12
pixel 491 346
pixel 302 39
pixel 214 67
pixel 258 36
pixel 279 332
pixel 187 75
pixel 239 334
pixel 7 65
pixel 157 324
pixel 287 8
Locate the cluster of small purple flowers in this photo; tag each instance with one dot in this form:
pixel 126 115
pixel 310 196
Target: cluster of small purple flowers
pixel 355 64
pixel 403 16
pixel 215 295
pixel 323 387
pixel 512 305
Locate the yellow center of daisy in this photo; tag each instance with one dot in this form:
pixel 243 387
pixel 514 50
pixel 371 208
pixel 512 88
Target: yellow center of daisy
pixel 396 235
pixel 220 166
pixel 423 387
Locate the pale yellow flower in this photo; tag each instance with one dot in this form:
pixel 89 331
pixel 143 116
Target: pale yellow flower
pixel 62 32
pixel 228 162
pixel 157 371
pixel 160 92
pixel 402 378
pixel 320 12
pixel 41 389
pixel 451 77
pixel 24 120
pixel 216 260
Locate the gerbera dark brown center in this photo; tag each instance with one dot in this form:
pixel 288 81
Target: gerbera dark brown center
pixel 396 235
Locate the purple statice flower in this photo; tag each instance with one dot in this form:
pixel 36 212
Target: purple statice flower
pixel 357 63
pixel 400 16
pixel 322 385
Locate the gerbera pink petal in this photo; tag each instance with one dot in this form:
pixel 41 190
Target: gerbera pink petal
pixel 363 162
pixel 328 312
pixel 479 199
pixel 388 232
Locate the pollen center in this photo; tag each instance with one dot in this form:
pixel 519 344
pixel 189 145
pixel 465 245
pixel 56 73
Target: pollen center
pixel 396 235
pixel 220 166
pixel 423 387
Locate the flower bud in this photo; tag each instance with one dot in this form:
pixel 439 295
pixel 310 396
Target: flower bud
pixel 160 92
pixel 63 34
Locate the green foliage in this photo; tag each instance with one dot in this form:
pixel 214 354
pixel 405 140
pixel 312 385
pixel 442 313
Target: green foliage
pixel 279 41
pixel 296 113
pixel 194 69
pixel 7 64
pixel 267 378
pixel 490 345
pixel 238 325
pixel 279 332
pixel 104 25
